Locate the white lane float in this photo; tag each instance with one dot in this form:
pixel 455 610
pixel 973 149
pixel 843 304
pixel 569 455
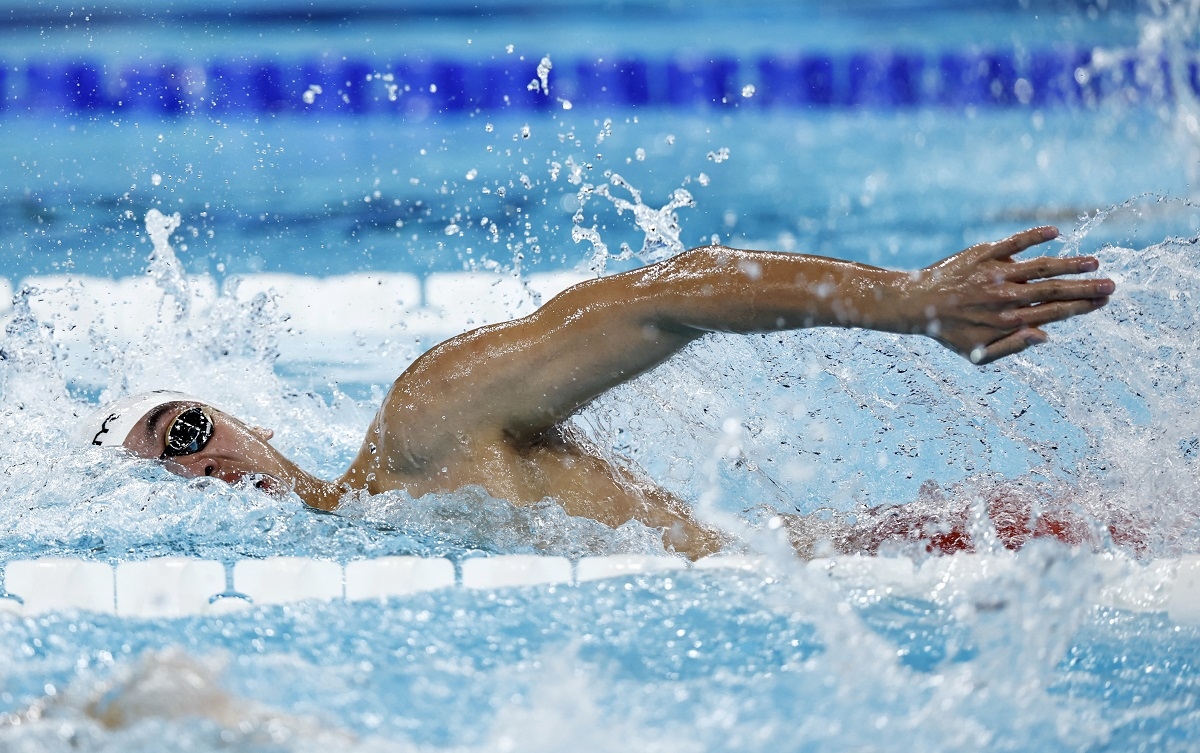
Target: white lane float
pixel 176 587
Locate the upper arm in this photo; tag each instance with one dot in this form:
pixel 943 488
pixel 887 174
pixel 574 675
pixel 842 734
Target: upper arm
pixel 523 376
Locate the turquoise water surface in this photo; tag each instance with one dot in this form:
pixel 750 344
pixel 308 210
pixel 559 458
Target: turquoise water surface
pixel 909 137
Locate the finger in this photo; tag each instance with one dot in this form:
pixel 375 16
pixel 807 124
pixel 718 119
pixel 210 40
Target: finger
pixel 1008 345
pixel 1036 316
pixel 1015 244
pixel 1028 294
pixel 1050 266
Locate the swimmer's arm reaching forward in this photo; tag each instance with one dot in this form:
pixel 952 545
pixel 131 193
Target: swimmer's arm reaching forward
pixel 524 376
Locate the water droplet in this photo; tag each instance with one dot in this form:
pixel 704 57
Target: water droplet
pixel 720 155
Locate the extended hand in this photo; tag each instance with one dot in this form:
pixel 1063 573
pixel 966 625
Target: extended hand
pixel 983 305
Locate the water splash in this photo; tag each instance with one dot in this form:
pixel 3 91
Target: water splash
pixel 470 519
pixel 1089 438
pixel 833 424
pixel 1161 69
pixel 165 268
pixel 223 347
pixel 660 226
pixel 542 82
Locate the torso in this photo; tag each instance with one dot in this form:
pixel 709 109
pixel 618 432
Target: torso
pixel 574 476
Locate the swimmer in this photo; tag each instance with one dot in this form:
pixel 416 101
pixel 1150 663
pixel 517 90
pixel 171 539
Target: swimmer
pixel 487 407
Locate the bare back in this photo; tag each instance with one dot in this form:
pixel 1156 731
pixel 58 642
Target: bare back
pixel 552 466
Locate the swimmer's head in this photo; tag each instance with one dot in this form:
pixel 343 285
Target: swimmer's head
pixel 192 438
pixel 111 426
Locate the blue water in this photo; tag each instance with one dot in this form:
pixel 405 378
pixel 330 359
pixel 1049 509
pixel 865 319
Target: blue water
pixel 715 662
pixel 1102 420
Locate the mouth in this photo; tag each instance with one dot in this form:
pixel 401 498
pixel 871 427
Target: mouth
pixel 268 484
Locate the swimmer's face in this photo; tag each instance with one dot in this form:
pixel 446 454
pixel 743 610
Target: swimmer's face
pixel 233 451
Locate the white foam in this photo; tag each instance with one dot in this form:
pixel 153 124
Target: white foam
pixel 320 307
pixel 1183 605
pixel 121 309
pixel 228 603
pixel 87 312
pixel 731 562
pixel 364 326
pixel 515 570
pixel 465 300
pixel 546 285
pixel 460 301
pixel 348 328
pixel 892 572
pixel 962 568
pixel 1141 587
pixel 344 318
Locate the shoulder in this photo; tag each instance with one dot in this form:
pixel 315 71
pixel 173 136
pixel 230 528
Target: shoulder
pixel 424 423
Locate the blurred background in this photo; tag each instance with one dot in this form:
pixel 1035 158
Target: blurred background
pixel 323 139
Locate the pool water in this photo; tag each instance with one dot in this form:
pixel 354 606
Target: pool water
pixel 1100 424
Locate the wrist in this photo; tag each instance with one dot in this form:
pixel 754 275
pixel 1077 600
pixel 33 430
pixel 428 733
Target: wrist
pixel 892 303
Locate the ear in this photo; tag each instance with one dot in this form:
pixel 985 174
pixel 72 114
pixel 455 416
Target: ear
pixel 263 434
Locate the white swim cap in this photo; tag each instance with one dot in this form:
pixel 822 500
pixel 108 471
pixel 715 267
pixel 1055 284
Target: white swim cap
pixel 109 426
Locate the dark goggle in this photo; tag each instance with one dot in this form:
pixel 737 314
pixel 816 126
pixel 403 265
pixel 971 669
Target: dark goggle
pixel 188 433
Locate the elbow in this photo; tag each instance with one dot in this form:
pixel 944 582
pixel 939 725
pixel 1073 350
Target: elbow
pixel 685 295
pixel 714 264
pixel 708 259
pixel 701 263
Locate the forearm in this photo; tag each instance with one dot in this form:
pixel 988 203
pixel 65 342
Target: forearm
pixel 981 302
pixel 718 289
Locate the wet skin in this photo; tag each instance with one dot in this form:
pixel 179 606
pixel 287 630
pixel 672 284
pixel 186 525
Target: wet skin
pixel 487 407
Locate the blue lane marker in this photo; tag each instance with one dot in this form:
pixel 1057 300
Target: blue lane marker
pixel 976 80
pixel 701 83
pixel 250 86
pixel 806 81
pixel 156 89
pixel 332 86
pixel 1053 80
pixel 885 80
pixel 624 82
